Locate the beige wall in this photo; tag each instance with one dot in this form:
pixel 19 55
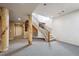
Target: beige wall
pixel 19 32
pixel 16 30
pixel 12 30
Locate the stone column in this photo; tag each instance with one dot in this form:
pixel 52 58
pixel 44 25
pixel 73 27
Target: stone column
pixel 5 28
pixel 30 29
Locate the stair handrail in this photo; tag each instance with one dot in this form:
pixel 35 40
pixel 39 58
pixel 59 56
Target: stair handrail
pixel 44 31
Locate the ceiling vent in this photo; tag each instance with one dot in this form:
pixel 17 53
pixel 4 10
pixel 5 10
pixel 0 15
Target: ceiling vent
pixel 62 11
pixel 44 4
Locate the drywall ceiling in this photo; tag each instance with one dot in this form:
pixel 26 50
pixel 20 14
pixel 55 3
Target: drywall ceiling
pixel 50 9
pixel 56 9
pixel 19 10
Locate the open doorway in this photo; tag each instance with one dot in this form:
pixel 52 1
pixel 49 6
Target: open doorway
pixel 19 33
pixel 17 36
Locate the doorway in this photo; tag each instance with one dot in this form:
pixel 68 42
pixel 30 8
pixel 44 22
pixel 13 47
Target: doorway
pixel 17 40
pixel 19 33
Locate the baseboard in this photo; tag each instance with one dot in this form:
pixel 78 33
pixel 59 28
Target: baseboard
pixel 68 43
pixel 3 50
pixel 53 40
pixel 40 38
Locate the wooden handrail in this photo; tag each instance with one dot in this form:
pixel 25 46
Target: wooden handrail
pixel 48 36
pixel 45 31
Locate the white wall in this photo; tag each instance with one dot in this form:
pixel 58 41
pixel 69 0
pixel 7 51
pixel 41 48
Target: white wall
pixel 66 28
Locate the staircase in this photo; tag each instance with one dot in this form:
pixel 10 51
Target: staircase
pixel 46 32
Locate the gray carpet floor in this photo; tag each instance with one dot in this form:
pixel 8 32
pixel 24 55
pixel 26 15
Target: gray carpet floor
pixel 41 48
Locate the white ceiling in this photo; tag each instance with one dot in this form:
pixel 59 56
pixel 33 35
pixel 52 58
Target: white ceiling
pixel 19 9
pixel 54 9
pixel 51 9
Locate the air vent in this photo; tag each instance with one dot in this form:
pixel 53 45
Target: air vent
pixel 62 11
pixel 45 4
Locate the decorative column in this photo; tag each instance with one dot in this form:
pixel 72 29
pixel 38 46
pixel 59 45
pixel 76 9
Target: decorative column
pixel 5 28
pixel 30 29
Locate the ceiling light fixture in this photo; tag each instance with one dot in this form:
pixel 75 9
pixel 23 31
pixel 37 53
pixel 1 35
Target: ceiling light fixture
pixel 51 16
pixel 19 19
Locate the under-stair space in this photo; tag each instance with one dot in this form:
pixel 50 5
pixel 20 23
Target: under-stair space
pixel 35 32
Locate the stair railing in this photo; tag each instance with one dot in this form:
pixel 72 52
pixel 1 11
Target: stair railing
pixel 45 31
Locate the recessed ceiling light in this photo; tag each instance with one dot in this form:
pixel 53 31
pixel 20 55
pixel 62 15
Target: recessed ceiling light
pixel 51 16
pixel 19 18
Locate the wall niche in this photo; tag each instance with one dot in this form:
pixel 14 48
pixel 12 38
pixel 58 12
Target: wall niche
pixel 26 25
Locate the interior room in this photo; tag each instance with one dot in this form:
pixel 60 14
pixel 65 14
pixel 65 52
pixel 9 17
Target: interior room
pixel 39 29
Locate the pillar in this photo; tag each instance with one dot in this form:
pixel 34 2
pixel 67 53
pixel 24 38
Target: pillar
pixel 5 29
pixel 30 29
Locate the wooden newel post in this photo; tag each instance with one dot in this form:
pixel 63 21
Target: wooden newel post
pixel 30 29
pixel 48 36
